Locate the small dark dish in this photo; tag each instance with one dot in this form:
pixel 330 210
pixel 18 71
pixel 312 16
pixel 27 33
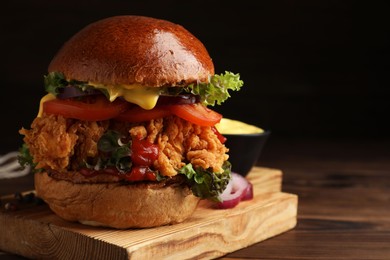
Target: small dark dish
pixel 245 150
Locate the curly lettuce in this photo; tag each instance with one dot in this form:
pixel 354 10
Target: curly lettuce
pixel 25 159
pixel 217 91
pixel 112 153
pixel 55 83
pixel 204 183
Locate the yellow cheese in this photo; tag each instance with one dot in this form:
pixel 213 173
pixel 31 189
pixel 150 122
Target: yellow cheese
pixel 229 126
pixel 145 97
pixel 43 100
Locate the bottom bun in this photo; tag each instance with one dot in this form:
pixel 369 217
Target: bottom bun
pixel 115 204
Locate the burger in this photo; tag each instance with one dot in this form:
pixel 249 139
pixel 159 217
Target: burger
pixel 125 136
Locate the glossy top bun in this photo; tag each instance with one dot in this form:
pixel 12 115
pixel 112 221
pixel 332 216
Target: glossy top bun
pixel 134 50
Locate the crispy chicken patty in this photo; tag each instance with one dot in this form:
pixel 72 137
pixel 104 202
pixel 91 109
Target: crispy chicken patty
pixel 62 145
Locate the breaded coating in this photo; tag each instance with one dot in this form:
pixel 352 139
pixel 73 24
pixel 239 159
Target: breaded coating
pixel 54 141
pixel 50 142
pixel 89 133
pixel 182 142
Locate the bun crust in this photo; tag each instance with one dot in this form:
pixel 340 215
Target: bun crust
pixel 116 205
pixel 134 50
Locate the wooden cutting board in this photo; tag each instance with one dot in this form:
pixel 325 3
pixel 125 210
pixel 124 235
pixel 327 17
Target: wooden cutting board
pixel 35 232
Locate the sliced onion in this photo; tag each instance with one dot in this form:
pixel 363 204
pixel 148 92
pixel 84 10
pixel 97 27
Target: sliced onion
pixel 248 194
pixel 228 189
pixel 178 99
pixel 238 189
pixel 73 91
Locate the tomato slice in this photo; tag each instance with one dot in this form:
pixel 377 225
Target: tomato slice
pixel 98 108
pixel 196 113
pixel 92 109
pixel 220 137
pixel 137 114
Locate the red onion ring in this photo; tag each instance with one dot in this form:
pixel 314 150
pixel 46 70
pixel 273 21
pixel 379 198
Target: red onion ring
pixel 73 91
pixel 238 189
pixel 178 100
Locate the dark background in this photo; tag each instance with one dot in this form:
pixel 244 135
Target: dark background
pixel 315 69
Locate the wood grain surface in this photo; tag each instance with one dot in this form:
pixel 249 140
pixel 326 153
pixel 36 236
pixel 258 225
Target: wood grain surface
pixel 344 200
pixel 35 232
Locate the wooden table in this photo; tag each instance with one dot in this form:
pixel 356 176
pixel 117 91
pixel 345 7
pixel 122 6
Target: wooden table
pixel 344 199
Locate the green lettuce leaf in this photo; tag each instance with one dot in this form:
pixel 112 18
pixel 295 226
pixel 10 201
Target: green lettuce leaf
pixel 25 158
pixel 112 153
pixel 54 82
pixel 204 183
pixel 217 91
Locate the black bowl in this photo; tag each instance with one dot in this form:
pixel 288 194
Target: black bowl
pixel 245 150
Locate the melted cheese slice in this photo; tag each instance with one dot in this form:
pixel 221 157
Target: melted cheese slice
pixel 145 97
pixel 43 100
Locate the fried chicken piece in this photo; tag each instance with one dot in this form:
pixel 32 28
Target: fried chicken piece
pixel 179 141
pixel 64 144
pixel 49 141
pixel 54 140
pixel 89 133
pixel 206 151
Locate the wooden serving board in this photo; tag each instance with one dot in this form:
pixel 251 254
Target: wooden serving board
pixel 35 232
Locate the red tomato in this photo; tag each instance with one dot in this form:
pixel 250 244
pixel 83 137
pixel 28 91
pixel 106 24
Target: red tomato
pixel 137 114
pixel 91 109
pixel 196 114
pixel 220 137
